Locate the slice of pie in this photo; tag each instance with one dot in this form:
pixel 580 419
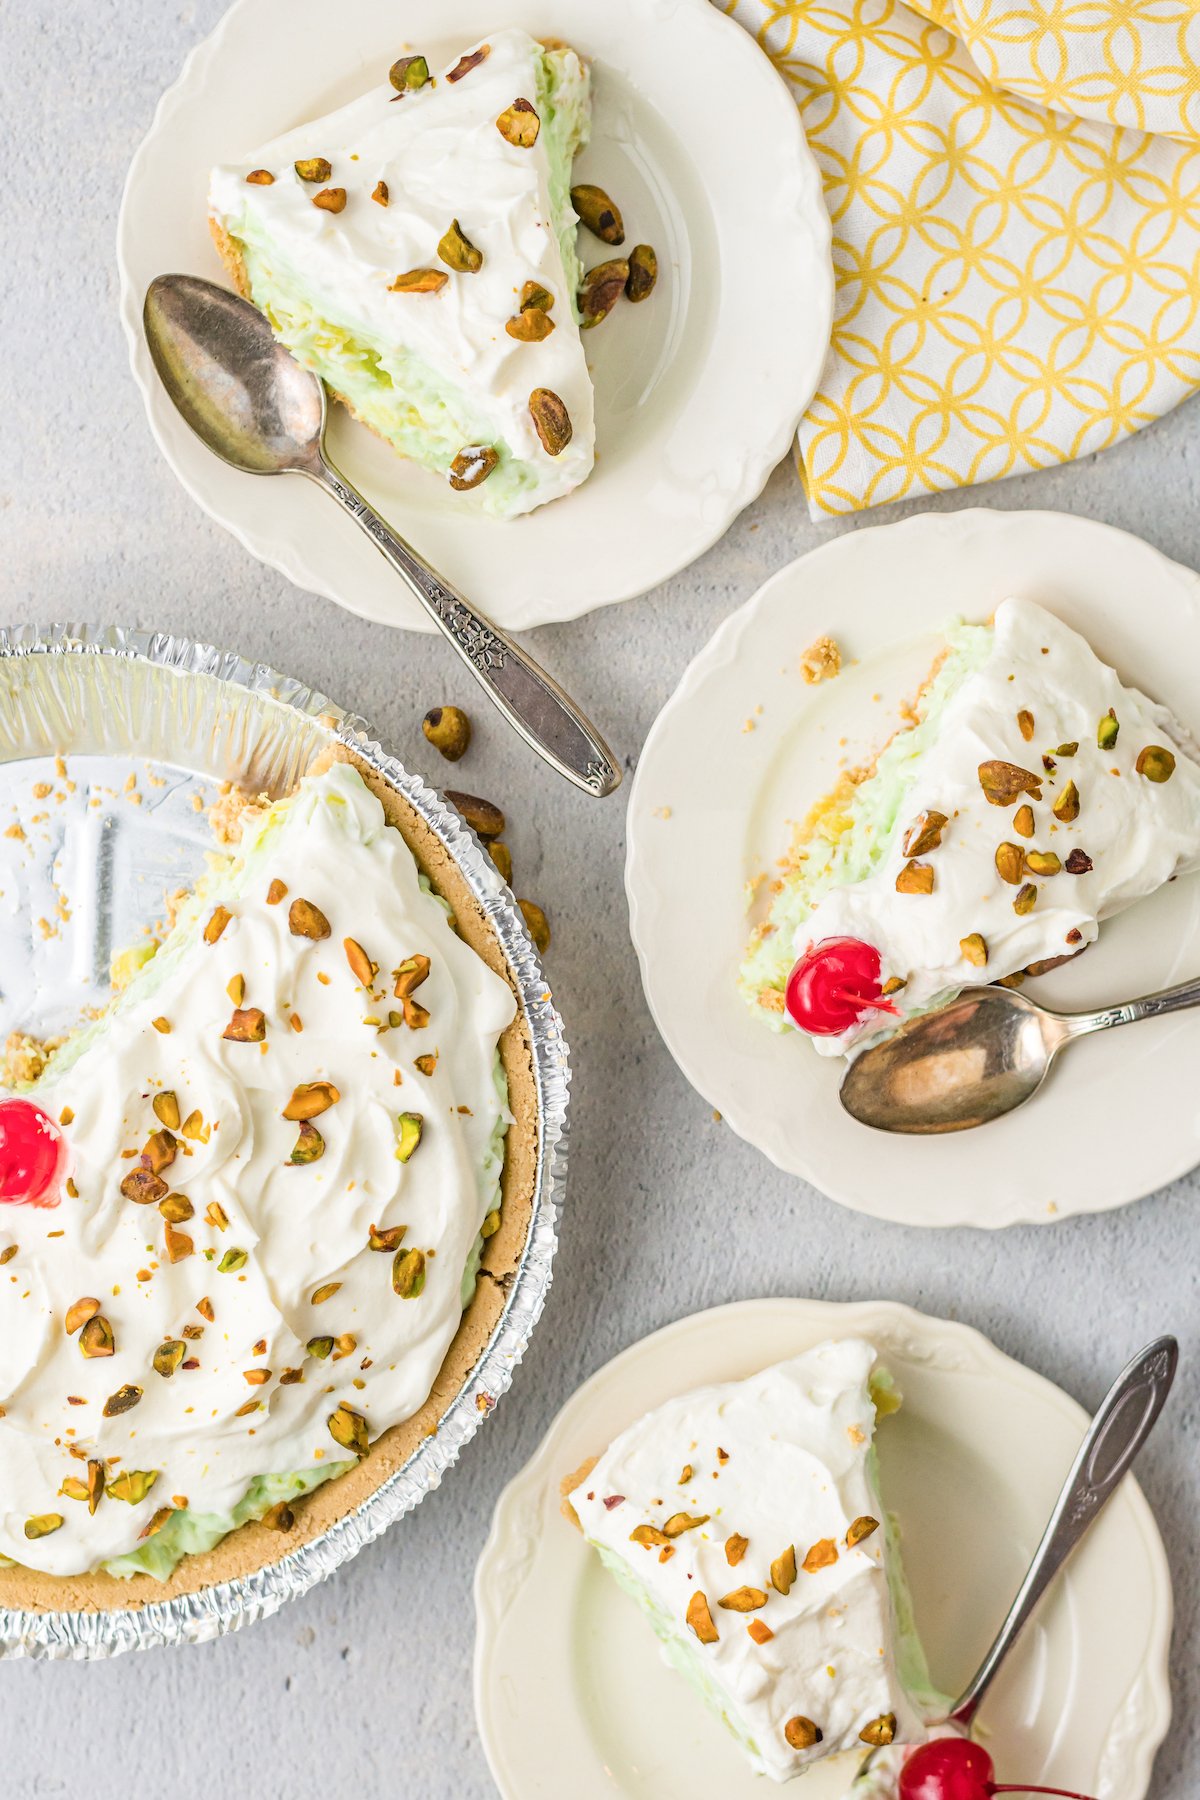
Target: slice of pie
pixel 746 1521
pixel 1028 796
pixel 417 250
pixel 244 1210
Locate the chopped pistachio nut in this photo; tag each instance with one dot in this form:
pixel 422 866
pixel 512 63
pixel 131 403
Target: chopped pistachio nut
pixel 260 178
pixel 314 168
pixel 408 1274
pixel 880 1731
pixel 349 1429
pixel 43 1524
pixel 861 1528
pixel 96 1338
pixel 448 729
pixel 801 1733
pixel 700 1619
pixel 743 1599
pixel 1026 899
pixel 419 281
pixel 231 1262
pixel 331 199
pixel 458 252
pixel 408 73
pixel 1023 821
pixel 1107 730
pixel 307 921
pixel 311 1099
pixel 132 1485
pixel 1005 782
pixel 915 878
pixel 1066 805
pixel 409 1128
pixel 925 833
pixel 1025 724
pixel 309 1146
pixel 79 1313
pixel 247 1026
pixel 125 1398
pixel 529 326
pixel 379 193
pixel 1010 863
pixel 783 1570
pixel 536 924
pixel 470 61
pixel 491 1224
pixel 1155 763
pixel 166 1109
pixel 1078 863
pixel 168 1357
pixel 519 125
pixel 736 1547
pixel 680 1522
pixel 974 949
pixel 1043 862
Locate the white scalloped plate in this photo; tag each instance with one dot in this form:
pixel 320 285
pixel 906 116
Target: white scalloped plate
pixel 743 746
pixel 699 391
pixel 572 1696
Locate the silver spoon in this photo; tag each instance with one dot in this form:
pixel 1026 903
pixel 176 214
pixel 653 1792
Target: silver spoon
pixel 977 1057
pixel 1123 1421
pixel 248 399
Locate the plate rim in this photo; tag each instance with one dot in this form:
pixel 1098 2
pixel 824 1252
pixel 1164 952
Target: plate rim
pixel 530 1480
pixel 719 651
pixel 289 559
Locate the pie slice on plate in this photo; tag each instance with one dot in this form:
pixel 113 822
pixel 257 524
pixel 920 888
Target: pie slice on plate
pixel 746 1521
pixel 417 250
pixel 1028 795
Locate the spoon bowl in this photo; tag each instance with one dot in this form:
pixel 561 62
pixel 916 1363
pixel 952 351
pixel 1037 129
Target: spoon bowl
pixel 970 1061
pixel 976 1058
pixel 238 388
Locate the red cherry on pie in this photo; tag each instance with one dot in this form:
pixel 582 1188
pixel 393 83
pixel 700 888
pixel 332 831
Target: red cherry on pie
pixel 33 1155
pixel 834 985
pixel 956 1769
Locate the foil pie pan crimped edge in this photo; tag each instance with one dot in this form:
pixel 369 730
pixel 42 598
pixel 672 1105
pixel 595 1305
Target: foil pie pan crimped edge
pixel 151 695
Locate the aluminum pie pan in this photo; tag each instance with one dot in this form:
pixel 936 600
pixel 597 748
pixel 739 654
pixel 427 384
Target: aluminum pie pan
pixel 184 717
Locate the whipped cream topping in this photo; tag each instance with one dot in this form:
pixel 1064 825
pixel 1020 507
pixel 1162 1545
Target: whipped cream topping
pixel 235 1284
pixel 1132 833
pixel 441 157
pixel 781 1461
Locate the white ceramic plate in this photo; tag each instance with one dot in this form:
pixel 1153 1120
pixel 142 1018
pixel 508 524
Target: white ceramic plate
pixel 743 747
pixel 572 1696
pixel 699 391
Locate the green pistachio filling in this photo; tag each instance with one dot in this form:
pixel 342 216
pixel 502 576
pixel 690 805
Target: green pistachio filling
pixel 845 850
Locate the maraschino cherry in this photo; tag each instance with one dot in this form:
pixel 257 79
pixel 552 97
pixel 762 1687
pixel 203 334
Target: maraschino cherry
pixel 33 1155
pixel 956 1769
pixel 833 985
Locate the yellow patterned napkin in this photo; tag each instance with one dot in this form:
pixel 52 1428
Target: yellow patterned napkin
pixel 1015 286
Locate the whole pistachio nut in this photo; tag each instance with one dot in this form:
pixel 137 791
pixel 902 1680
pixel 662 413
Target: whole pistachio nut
pixel 501 855
pixel 307 921
pixel 519 125
pixel 448 729
pixel 168 1357
pixel 480 815
pixel 314 168
pixel 599 213
pixel 408 73
pixel 458 252
pixel 602 287
pixel 536 924
pixel 643 273
pixel 551 421
pixel 1156 763
pixel 472 466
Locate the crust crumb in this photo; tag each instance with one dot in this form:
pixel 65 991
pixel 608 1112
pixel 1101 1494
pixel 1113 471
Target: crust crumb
pixel 821 661
pixel 567 1486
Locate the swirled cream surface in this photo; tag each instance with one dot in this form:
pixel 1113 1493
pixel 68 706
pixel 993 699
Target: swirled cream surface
pixel 746 1520
pixel 436 372
pixel 179 1329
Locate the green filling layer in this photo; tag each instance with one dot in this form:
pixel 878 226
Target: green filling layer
pixel 390 387
pixel 188 1533
pixel 840 854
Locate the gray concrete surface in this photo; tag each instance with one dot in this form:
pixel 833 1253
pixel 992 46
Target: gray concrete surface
pixel 365 1685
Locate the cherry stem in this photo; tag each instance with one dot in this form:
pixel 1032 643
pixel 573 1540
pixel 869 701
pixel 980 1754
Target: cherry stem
pixel 865 1001
pixel 1063 1793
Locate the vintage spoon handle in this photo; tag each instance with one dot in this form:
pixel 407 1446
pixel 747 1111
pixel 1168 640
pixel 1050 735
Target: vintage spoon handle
pixel 1150 1006
pixel 1121 1426
pixel 530 700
